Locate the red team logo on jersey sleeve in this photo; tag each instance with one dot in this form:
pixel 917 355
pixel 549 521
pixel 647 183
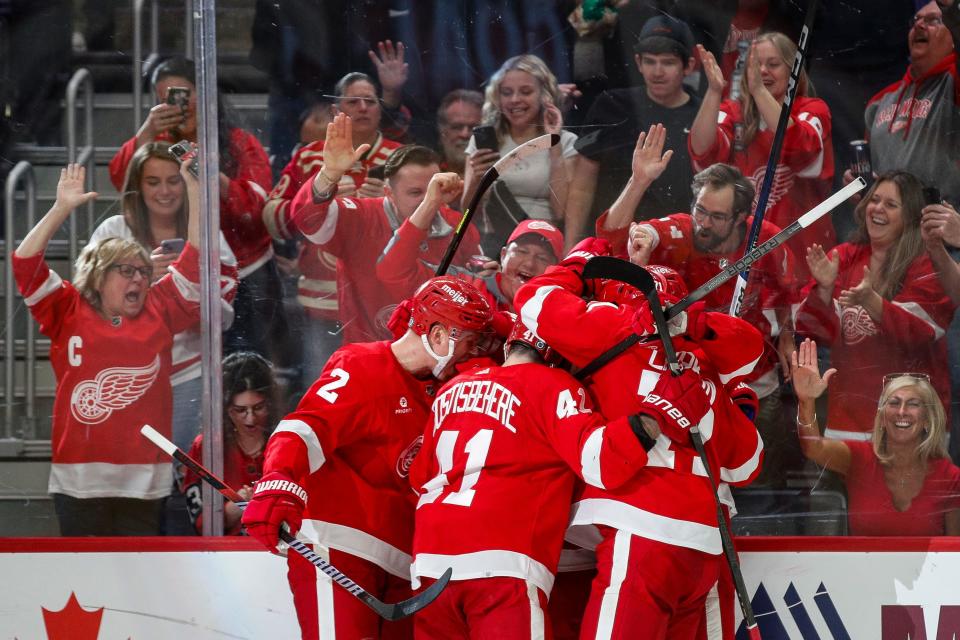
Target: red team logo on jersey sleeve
pixel 92 401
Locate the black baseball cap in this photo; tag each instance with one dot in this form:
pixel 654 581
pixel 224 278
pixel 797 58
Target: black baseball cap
pixel 665 34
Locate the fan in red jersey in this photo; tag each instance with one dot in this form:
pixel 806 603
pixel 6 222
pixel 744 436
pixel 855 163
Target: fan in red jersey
pixel 659 548
pixel 359 230
pixel 358 99
pixel 501 440
pixel 336 468
pixel 111 335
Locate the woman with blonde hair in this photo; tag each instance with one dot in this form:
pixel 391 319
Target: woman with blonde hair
pixel 877 303
pixel 740 132
pixel 110 334
pixel 521 103
pixel 902 482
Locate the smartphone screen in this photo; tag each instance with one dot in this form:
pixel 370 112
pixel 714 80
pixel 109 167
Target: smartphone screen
pixel 485 137
pixel 179 96
pixel 173 245
pixel 181 149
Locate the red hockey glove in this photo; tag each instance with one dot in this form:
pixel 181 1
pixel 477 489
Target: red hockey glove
pixel 746 400
pixel 676 403
pixel 399 320
pixel 583 251
pixel 276 500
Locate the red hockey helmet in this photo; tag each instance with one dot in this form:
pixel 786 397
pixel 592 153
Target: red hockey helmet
pixel 619 293
pixel 454 303
pixel 670 285
pixel 520 333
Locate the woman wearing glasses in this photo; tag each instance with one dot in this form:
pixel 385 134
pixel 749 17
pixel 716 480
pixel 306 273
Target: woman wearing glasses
pixel 877 303
pixel 740 132
pixel 110 334
pixel 249 417
pixel 155 217
pixel 906 455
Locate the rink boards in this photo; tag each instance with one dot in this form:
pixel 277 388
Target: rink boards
pixel 228 588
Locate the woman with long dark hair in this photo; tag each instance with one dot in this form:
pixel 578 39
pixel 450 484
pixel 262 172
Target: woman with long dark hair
pixel 877 303
pixel 250 413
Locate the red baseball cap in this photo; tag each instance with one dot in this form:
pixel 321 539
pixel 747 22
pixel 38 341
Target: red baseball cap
pixel 545 230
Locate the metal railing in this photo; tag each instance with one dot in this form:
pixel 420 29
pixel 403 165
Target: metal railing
pixel 85 155
pixel 22 172
pixel 138 60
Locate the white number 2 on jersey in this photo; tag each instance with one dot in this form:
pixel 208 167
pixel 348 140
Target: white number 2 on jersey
pixel 340 378
pixel 476 449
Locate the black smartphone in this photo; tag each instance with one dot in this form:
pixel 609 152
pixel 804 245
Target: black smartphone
pixel 178 96
pixel 485 137
pixel 377 171
pixel 931 195
pixel 173 245
pixel 181 149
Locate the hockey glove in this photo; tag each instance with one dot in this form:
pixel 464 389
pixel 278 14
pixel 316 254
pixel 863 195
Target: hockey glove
pixel 676 403
pixel 276 500
pixel 582 252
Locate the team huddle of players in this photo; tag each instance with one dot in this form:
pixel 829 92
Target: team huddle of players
pixel 394 478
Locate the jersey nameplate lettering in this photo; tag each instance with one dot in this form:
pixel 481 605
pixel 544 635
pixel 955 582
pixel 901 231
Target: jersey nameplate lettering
pixel 477 396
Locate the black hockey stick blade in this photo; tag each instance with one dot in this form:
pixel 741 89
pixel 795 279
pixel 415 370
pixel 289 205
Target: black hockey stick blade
pixel 766 247
pixel 504 164
pixel 639 278
pixel 383 609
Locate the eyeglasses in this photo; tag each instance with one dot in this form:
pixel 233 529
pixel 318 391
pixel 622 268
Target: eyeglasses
pixel 128 271
pixel 928 21
pixel 895 403
pixel 890 377
pixel 716 218
pixel 354 101
pixel 258 409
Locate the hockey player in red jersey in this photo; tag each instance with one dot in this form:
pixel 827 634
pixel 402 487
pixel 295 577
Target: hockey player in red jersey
pixel 358 230
pixel 348 447
pixel 500 440
pixel 659 545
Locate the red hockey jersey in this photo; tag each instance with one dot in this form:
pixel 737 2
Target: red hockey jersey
pixel 803 175
pixel 670 499
pixel 317 288
pixel 350 444
pixel 240 210
pixel 239 470
pixel 909 337
pixel 503 440
pixel 112 378
pixel 772 286
pixel 357 231
pixel 402 267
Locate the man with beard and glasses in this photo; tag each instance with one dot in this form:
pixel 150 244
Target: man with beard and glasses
pixel 698 245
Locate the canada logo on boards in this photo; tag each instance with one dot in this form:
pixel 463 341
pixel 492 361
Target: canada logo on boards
pixel 73 622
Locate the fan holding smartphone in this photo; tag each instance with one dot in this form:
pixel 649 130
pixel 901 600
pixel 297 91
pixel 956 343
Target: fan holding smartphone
pixel 520 104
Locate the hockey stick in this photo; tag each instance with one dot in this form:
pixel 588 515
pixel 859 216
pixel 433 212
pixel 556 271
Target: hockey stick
pixel 525 150
pixel 775 148
pixel 761 250
pixel 384 610
pixel 640 278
